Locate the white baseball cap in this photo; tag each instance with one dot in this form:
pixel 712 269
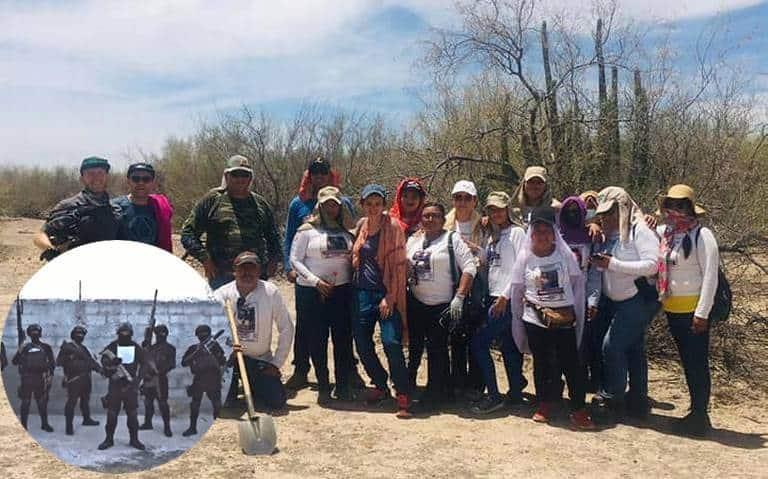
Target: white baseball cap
pixel 464 186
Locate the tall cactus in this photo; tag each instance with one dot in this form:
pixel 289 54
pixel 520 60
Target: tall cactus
pixel 641 154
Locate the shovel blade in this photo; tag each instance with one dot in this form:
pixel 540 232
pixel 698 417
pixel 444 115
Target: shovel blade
pixel 258 435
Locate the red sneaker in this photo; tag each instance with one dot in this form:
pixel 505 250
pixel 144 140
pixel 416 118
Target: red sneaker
pixel 543 412
pixel 402 407
pixel 580 420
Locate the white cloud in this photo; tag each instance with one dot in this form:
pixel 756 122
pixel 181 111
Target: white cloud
pixel 107 75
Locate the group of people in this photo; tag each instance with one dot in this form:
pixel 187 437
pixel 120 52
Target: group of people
pixel 575 284
pixel 131 369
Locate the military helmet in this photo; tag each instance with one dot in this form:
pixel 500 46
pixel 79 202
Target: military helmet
pixel 78 328
pixel 203 329
pixel 125 326
pixel 161 328
pixel 33 327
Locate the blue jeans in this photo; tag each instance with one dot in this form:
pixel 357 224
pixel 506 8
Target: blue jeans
pixel 694 354
pixel 391 336
pixel 501 329
pixel 624 350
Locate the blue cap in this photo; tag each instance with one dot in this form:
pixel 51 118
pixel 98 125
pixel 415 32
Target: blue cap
pixel 373 189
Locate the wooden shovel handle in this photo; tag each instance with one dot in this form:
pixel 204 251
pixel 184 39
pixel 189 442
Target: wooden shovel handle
pixel 240 360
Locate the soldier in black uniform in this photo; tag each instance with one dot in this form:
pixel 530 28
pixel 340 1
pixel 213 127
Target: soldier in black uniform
pixel 3 357
pixel 206 360
pixel 84 218
pixel 78 363
pixel 162 358
pixel 123 363
pixel 36 364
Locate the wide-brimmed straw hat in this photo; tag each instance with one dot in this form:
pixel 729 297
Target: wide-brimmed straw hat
pixel 682 192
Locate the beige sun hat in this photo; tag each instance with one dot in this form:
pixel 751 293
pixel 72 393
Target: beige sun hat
pixel 682 192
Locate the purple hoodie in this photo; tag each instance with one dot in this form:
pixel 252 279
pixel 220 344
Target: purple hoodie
pixel 574 235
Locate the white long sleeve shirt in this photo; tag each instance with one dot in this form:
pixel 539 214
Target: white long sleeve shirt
pixel 501 256
pixel 431 266
pixel 696 275
pixel 637 257
pixel 321 254
pixel 263 309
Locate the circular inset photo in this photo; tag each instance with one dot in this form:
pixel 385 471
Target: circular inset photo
pixel 116 356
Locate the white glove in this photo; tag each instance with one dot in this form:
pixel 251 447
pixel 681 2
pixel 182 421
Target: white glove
pixel 457 307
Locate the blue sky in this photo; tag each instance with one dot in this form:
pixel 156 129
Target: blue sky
pixel 114 78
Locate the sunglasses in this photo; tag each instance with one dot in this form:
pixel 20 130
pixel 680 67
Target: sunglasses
pixel 239 174
pixel 676 204
pixel 142 179
pixel 463 197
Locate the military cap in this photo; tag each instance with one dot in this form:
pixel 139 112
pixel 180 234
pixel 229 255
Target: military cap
pixel 94 162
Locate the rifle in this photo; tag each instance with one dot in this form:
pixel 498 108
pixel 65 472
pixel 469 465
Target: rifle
pixel 121 372
pixel 19 327
pixel 151 328
pixel 206 345
pixel 150 380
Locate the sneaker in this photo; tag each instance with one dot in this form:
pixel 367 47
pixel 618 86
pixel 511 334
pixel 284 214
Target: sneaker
pixel 488 405
pixel 695 425
pixel 376 395
pixel 403 404
pixel 90 422
pixel 580 420
pixel 542 413
pixel 343 394
pixel 514 399
pixel 297 382
pixel 324 397
pixel 426 405
pixel 473 395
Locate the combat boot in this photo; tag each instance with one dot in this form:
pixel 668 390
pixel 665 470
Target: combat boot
pixel 134 442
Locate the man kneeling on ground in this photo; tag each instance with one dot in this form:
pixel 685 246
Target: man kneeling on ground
pixel 258 306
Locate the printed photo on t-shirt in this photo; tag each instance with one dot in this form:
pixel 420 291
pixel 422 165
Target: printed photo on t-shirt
pixel 246 321
pixel 422 265
pixel 336 245
pixel 548 285
pixel 493 256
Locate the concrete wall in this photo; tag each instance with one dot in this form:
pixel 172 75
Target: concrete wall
pixel 101 318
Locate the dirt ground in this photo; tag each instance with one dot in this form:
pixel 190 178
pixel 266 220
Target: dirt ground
pixel 352 441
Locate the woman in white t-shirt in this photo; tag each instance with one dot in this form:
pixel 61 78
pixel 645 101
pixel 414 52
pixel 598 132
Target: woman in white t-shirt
pixel 688 267
pixel 467 222
pixel 501 252
pixel 630 257
pixel 321 258
pixel 436 296
pixel 546 291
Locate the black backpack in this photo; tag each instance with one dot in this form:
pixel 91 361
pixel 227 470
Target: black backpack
pixel 723 302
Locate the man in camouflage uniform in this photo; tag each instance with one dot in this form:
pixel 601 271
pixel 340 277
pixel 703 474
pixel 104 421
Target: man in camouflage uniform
pixel 234 219
pixel 162 357
pixel 84 218
pixel 205 360
pixel 36 364
pixel 78 363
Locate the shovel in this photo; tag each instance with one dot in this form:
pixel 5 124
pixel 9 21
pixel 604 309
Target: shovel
pixel 257 434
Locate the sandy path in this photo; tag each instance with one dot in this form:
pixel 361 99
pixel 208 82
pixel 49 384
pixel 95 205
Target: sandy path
pixel 317 442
